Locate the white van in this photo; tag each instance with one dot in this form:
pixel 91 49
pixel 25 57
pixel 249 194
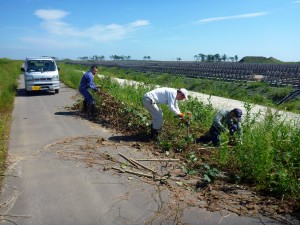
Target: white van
pixel 41 74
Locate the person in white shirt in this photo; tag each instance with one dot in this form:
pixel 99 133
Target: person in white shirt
pixel 169 96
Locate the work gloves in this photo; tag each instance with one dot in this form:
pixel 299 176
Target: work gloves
pixel 233 129
pixel 181 117
pixel 97 89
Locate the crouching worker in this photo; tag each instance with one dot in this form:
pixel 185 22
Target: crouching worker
pixel 158 96
pixel 225 121
pixel 86 83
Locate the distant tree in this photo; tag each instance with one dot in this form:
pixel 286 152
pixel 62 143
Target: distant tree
pixel 124 57
pixel 210 58
pixel 94 57
pixel 115 57
pixel 147 57
pixel 202 57
pixel 224 57
pixel 217 58
pixel 214 58
pixel 118 57
pixel 178 59
pixel 236 58
pixel 231 59
pixel 83 58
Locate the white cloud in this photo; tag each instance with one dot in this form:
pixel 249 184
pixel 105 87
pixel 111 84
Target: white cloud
pixel 50 14
pixel 249 15
pixel 105 33
pixel 53 24
pixel 139 23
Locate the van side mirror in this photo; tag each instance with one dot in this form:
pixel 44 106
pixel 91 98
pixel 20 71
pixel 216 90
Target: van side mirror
pixel 22 69
pixel 58 68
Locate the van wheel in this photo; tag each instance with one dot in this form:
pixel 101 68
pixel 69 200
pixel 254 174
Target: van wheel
pixel 56 91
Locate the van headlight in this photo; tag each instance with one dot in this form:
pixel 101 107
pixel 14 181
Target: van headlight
pixel 29 77
pixel 55 77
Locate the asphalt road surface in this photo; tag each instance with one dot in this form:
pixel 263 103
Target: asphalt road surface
pixel 59 173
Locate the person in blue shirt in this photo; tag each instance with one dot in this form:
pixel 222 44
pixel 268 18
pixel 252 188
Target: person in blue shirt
pixel 86 83
pixel 228 121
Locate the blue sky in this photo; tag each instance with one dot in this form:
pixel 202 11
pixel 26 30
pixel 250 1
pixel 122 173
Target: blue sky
pixel 161 29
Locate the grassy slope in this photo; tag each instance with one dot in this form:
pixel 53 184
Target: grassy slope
pixel 10 71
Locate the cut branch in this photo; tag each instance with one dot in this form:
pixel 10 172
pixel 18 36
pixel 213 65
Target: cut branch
pixel 129 160
pixel 163 160
pixel 132 172
pixel 145 167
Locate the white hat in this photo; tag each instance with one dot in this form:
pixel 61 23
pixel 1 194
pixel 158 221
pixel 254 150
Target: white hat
pixel 184 92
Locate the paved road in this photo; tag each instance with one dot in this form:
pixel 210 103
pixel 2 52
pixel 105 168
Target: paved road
pixel 52 178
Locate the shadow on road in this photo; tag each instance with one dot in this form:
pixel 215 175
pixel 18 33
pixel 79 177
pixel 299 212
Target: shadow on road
pixel 66 113
pixel 141 137
pixel 21 92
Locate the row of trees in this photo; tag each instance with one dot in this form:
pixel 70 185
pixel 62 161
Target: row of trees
pixel 94 57
pixel 199 58
pixel 215 58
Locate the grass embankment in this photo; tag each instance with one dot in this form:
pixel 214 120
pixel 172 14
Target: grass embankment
pixel 10 71
pixel 268 158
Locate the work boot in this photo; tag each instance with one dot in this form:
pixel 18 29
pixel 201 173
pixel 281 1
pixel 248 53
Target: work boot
pixel 85 106
pixel 93 110
pixel 154 133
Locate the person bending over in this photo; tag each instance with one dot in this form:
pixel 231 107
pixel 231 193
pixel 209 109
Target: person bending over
pixel 168 96
pixel 228 121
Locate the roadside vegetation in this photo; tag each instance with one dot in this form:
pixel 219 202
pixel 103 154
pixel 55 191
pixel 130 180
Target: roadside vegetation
pixel 268 159
pixel 10 71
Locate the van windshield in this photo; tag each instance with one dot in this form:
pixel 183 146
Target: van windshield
pixel 40 65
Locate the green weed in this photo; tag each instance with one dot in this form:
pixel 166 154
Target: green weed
pixel 10 72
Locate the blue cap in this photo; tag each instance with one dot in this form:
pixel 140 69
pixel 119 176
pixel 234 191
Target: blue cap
pixel 237 112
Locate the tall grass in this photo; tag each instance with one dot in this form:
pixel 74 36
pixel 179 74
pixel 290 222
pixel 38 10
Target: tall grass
pixel 268 157
pixel 10 71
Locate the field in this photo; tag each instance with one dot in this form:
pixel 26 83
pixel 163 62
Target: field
pixel 274 74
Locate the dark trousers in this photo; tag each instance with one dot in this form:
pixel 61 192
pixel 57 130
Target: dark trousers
pixel 87 95
pixel 215 136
